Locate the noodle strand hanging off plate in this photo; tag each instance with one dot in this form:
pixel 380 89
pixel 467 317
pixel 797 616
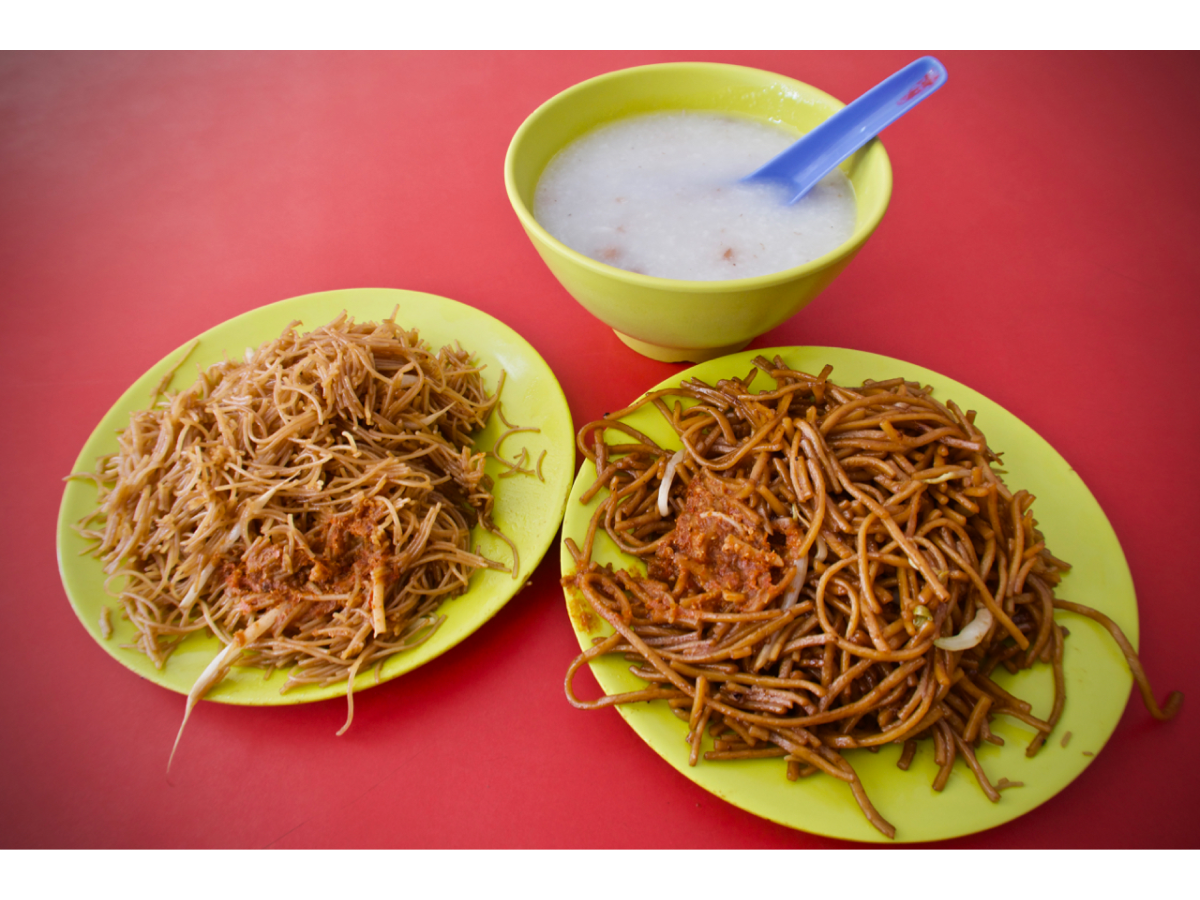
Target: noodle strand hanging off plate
pixel 310 505
pixel 826 569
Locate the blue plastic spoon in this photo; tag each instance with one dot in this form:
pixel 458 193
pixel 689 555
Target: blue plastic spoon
pixel 815 155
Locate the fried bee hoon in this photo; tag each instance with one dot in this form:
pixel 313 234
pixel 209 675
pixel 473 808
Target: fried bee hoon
pixel 826 569
pixel 310 505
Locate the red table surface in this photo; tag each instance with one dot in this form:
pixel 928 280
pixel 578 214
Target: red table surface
pixel 1040 247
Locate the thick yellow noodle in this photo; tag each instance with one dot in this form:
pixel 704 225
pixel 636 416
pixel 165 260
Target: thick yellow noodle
pixel 828 568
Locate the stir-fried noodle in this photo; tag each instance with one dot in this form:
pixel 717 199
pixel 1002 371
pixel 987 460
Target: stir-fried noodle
pixel 310 505
pixel 827 569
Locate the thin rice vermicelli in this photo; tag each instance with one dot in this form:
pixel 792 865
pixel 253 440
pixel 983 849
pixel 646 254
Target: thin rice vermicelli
pixel 310 505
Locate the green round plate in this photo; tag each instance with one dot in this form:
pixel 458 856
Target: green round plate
pixel 527 510
pixel 1097 679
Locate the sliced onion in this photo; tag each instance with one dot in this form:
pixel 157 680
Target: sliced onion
pixel 235 535
pixel 378 598
pixel 216 670
pixel 733 523
pixel 197 586
pixel 822 550
pixel 664 508
pixel 971 635
pixel 793 591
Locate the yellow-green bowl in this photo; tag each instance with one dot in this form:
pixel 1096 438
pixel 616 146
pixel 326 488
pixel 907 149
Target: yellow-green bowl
pixel 665 318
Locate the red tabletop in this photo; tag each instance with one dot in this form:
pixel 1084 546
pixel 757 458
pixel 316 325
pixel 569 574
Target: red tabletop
pixel 1040 247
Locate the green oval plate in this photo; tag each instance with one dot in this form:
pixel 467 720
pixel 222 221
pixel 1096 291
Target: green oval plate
pixel 1097 678
pixel 527 510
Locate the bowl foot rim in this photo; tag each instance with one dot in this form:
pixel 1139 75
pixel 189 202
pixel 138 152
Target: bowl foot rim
pixel 679 354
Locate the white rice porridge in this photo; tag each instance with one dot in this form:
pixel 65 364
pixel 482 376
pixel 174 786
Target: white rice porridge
pixel 659 194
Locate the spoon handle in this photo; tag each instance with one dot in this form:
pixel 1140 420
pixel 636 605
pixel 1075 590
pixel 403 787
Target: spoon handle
pixel 816 154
